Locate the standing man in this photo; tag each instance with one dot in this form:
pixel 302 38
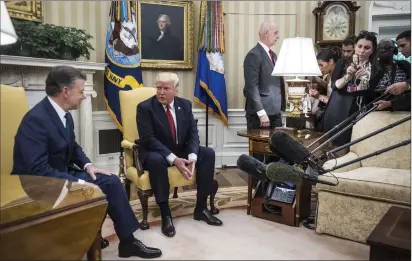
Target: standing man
pixel 348 46
pixel 404 43
pixel 45 145
pixel 169 137
pixel 265 94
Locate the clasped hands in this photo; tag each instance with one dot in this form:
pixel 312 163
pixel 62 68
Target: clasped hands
pixel 353 70
pixel 186 167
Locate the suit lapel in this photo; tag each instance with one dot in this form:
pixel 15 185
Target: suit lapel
pixel 179 119
pixel 265 55
pixel 57 121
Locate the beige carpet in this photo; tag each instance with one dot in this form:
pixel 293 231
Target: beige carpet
pixel 228 197
pixel 244 237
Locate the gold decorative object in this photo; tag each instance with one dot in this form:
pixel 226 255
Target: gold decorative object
pixel 296 91
pixel 26 10
pixel 181 24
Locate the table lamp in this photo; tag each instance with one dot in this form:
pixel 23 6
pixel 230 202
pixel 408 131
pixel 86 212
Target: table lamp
pixel 296 58
pixel 7 33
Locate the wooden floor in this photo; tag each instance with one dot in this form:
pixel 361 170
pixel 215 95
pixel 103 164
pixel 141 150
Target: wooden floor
pixel 227 177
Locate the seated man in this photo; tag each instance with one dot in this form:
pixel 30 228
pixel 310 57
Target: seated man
pixel 45 145
pixel 168 136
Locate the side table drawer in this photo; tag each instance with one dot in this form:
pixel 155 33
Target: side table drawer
pixel 259 147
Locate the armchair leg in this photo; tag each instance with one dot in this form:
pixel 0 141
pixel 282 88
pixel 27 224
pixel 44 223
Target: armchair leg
pixel 215 187
pixel 144 198
pixel 175 193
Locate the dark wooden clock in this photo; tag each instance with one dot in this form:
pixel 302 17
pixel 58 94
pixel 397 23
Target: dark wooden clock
pixel 335 20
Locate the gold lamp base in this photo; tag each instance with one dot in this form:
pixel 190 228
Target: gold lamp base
pixel 296 91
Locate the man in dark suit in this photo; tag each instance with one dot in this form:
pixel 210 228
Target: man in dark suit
pixel 168 136
pixel 265 94
pixel 45 145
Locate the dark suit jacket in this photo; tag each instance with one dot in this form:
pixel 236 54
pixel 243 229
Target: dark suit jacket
pixel 44 147
pixel 154 130
pixel 262 90
pixel 168 48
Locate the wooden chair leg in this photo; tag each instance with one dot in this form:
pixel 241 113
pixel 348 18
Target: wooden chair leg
pixel 175 193
pixel 215 187
pixel 144 201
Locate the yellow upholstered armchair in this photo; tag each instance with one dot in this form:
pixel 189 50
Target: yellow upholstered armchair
pixel 13 107
pixel 134 172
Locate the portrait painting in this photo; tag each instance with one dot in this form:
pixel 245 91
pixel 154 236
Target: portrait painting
pixel 26 10
pixel 166 34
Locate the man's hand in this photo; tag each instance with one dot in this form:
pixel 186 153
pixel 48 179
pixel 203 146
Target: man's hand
pixel 383 105
pixel 264 121
pixel 92 171
pixel 180 164
pixel 191 167
pixel 94 186
pixel 397 88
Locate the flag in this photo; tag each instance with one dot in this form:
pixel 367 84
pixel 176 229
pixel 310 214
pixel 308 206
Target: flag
pixel 210 86
pixel 123 72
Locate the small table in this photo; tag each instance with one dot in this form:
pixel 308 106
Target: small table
pixel 391 238
pixel 51 219
pixel 259 143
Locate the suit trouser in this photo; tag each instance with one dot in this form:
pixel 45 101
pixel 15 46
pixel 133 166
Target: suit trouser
pixel 157 166
pixel 119 209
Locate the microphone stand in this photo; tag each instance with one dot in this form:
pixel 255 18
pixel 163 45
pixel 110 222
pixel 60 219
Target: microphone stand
pixel 378 152
pixel 390 126
pixel 350 118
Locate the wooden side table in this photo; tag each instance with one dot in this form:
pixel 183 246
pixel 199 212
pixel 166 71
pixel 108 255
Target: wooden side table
pixel 391 238
pixel 291 213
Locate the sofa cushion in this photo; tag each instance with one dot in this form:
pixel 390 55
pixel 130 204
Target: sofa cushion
pixel 391 185
pixel 399 158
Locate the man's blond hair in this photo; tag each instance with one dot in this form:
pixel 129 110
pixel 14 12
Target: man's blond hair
pixel 168 77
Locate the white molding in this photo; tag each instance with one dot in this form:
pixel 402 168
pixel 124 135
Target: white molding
pixel 46 63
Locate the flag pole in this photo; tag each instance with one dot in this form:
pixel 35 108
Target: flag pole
pixel 207 119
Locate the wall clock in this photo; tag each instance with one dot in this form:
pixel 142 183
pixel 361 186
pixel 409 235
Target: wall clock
pixel 335 20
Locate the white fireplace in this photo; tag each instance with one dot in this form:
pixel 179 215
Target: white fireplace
pixel 31 73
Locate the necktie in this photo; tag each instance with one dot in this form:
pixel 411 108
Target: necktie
pixel 272 56
pixel 68 122
pixel 171 122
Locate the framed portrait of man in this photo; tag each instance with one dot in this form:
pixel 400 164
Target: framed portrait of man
pixel 165 32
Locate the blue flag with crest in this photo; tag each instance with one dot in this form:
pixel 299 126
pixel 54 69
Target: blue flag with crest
pixel 123 71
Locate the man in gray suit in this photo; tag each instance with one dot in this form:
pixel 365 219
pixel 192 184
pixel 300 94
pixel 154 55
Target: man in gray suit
pixel 265 94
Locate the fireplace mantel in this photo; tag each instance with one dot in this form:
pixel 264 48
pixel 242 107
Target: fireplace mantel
pixel 31 73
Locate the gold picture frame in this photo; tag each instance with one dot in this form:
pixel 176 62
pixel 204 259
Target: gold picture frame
pixel 172 49
pixel 26 10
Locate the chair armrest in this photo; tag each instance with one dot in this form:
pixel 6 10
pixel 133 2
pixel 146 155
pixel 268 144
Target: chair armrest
pixel 136 161
pixel 348 157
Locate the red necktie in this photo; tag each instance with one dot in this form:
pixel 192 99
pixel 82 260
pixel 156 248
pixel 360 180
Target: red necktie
pixel 272 56
pixel 171 122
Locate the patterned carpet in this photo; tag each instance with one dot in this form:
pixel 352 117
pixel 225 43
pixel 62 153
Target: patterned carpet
pixel 184 205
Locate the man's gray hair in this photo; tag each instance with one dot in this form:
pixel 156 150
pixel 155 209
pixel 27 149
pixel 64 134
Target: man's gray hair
pixel 166 18
pixel 60 77
pixel 168 77
pixel 266 26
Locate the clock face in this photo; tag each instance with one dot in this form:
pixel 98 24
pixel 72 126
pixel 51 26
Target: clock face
pixel 335 23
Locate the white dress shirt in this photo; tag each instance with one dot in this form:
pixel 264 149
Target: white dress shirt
pixel 171 157
pixel 266 48
pixel 62 113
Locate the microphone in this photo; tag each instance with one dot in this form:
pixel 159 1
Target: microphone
pixel 286 147
pixel 279 172
pixel 275 171
pixel 252 167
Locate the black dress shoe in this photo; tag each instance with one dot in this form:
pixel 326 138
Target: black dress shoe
pixel 137 248
pixel 206 216
pixel 168 229
pixel 104 243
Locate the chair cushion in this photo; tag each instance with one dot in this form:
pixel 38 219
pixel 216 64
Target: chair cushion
pixel 391 185
pixel 175 178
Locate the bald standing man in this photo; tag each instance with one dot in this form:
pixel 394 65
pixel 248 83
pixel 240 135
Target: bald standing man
pixel 265 94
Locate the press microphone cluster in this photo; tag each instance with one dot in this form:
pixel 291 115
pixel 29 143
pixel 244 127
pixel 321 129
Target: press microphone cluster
pixel 276 171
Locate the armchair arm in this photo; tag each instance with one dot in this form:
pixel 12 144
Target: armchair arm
pixel 348 157
pixel 136 161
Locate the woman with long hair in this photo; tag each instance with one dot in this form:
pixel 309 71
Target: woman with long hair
pixel 350 83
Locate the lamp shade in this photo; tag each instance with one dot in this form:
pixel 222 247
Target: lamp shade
pixel 297 58
pixel 7 33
